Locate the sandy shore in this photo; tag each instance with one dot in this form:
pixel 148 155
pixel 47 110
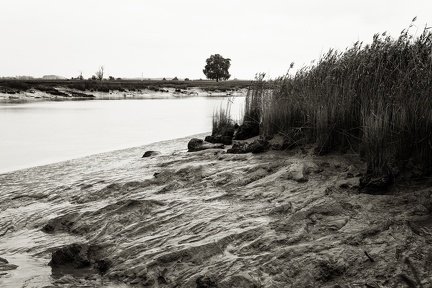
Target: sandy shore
pixel 209 219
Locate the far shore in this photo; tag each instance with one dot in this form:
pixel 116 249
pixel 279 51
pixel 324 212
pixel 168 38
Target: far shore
pixel 59 90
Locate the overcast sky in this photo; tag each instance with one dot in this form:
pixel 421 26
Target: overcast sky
pixel 167 38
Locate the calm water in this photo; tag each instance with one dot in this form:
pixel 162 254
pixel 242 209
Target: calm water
pixel 33 134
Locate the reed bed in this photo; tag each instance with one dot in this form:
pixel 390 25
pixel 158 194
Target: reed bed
pixel 375 99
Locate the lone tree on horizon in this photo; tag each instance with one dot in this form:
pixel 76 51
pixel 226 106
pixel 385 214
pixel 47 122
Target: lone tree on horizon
pixel 217 68
pixel 100 73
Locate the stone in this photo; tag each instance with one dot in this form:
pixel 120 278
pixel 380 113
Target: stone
pixel 196 144
pixel 258 146
pixel 226 140
pixel 247 130
pixel 375 184
pixel 150 154
pixel 80 256
pixel 206 282
pixel 238 148
pixel 74 255
pixel 296 172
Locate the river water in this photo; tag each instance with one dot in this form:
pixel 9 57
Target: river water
pixel 39 133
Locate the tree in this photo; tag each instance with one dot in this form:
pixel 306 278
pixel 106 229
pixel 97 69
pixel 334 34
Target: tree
pixel 217 68
pixel 100 73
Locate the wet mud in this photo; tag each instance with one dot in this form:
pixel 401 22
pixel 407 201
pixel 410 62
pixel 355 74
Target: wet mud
pixel 209 219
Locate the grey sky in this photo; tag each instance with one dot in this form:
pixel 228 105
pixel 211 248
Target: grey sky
pixel 167 38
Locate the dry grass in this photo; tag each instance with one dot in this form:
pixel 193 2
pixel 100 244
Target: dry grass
pixel 375 99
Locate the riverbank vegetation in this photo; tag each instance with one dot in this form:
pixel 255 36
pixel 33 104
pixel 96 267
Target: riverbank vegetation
pixel 374 99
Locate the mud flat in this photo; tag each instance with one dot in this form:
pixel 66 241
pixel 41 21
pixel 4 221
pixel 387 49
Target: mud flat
pixel 210 219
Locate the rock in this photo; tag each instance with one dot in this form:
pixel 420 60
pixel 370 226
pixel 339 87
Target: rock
pixel 348 183
pixel 150 154
pixel 196 144
pixel 226 140
pixel 74 255
pixel 62 223
pixel 373 184
pixel 247 130
pixel 258 146
pixel 296 172
pixel 206 282
pixel 80 256
pixel 238 148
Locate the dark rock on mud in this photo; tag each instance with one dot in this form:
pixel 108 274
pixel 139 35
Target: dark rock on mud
pixel 297 172
pixel 63 223
pixel 238 148
pixel 258 146
pixel 75 255
pixel 196 144
pixel 226 140
pixel 150 154
pixel 247 130
pixel 206 282
pixel 375 184
pixel 80 256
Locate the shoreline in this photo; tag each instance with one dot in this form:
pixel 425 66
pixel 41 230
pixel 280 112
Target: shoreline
pixel 175 143
pixel 63 90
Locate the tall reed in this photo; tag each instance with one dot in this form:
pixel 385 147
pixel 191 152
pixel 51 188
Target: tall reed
pixel 222 121
pixel 374 98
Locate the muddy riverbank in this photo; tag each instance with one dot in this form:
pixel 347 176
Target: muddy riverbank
pixel 63 90
pixel 210 219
